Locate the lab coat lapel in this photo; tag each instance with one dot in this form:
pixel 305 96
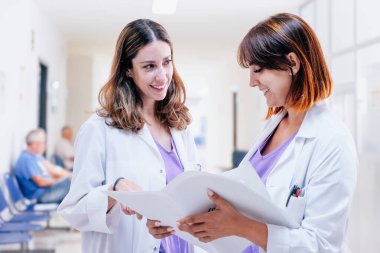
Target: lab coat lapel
pixel 283 172
pixel 181 149
pixel 265 133
pixel 291 168
pixel 145 134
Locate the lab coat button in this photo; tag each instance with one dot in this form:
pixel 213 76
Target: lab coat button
pixel 155 249
pixel 161 171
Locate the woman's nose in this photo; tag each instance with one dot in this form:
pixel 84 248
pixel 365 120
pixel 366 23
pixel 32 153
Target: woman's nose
pixel 253 82
pixel 161 75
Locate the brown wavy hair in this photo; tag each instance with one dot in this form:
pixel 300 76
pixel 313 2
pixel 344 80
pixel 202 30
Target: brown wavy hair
pixel 120 99
pixel 267 45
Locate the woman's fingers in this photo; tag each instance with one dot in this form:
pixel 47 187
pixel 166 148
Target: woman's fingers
pixel 195 219
pixel 152 223
pixel 129 211
pixel 161 236
pixel 193 228
pixel 158 231
pixel 206 239
pixel 127 185
pixel 207 226
pixel 139 216
pixel 161 230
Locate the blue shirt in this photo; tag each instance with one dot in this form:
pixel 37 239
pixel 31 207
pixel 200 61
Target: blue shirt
pixel 27 166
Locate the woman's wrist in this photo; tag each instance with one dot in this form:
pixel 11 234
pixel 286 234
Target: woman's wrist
pixel 116 182
pixel 111 201
pixel 112 187
pixel 254 231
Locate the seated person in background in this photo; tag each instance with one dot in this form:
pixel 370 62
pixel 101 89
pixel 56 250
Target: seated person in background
pixel 38 178
pixel 65 148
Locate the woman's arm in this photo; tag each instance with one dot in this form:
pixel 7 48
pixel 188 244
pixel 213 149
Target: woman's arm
pixel 85 206
pixel 207 227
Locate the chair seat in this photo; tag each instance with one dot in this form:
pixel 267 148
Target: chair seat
pixel 8 238
pixel 29 217
pixel 42 207
pixel 19 227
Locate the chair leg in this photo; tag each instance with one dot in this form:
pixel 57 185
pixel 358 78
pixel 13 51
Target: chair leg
pixel 23 247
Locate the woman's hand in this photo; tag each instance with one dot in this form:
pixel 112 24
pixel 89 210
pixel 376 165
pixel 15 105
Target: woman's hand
pixel 221 222
pixel 158 231
pixel 129 211
pixel 225 220
pixel 125 185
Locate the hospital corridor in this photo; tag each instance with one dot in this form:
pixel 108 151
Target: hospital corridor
pixel 278 99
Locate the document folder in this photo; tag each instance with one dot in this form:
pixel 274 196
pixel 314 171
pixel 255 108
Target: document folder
pixel 187 195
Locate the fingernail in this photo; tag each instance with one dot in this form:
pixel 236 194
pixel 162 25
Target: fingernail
pixel 172 233
pixel 170 229
pixel 157 224
pixel 210 193
pixel 178 224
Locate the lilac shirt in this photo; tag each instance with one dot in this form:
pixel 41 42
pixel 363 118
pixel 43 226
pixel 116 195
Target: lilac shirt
pixel 173 167
pixel 263 166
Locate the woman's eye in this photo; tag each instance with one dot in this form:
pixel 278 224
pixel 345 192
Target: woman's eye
pixel 149 66
pixel 257 70
pixel 167 62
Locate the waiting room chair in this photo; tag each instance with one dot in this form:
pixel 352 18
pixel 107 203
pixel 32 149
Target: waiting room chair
pixel 8 216
pixel 19 227
pixel 57 160
pixel 22 204
pixel 237 157
pixel 16 238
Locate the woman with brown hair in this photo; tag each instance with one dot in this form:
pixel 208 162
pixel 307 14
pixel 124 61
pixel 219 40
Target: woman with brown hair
pixel 137 140
pixel 305 155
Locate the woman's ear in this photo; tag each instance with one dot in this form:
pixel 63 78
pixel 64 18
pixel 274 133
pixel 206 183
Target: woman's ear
pixel 129 73
pixel 294 61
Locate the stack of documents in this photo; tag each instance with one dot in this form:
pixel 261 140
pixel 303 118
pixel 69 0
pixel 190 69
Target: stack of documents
pixel 187 195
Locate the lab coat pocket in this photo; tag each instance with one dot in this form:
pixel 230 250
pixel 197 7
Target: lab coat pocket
pixel 296 208
pixel 192 165
pixel 196 166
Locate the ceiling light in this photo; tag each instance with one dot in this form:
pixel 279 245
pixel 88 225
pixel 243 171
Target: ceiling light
pixel 164 6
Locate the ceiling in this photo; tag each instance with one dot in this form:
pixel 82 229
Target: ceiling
pixel 100 21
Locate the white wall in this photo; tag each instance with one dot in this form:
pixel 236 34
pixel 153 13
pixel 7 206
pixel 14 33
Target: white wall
pixel 27 38
pixel 79 84
pixel 351 39
pixel 88 69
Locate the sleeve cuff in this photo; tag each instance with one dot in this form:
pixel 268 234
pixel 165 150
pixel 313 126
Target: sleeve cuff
pixel 99 219
pixel 278 239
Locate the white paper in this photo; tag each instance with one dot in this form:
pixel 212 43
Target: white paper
pixel 187 195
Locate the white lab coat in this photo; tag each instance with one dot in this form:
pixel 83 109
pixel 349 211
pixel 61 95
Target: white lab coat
pixel 102 154
pixel 322 160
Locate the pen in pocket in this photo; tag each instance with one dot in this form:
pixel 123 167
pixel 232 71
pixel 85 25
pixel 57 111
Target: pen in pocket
pixel 295 192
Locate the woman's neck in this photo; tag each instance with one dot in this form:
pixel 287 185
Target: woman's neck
pixel 148 110
pixel 295 118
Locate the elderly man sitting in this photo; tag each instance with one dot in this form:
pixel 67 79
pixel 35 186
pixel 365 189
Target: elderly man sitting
pixel 65 148
pixel 38 178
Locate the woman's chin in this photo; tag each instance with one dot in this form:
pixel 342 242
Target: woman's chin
pixel 160 97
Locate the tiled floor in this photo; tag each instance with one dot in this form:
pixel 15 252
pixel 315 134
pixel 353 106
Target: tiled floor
pixel 60 237
pixel 61 241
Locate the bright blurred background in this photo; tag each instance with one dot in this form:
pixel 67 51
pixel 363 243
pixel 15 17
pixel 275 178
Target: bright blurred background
pixel 55 55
